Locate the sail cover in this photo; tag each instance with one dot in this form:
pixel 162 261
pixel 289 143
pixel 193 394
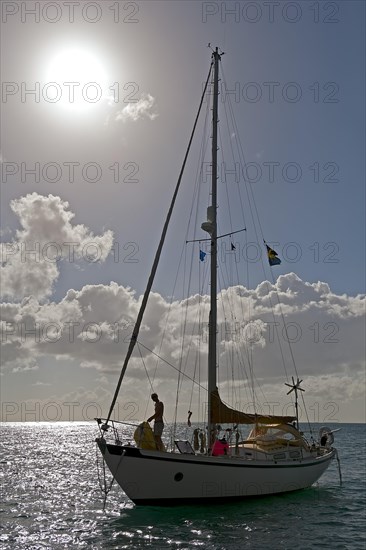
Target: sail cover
pixel 222 414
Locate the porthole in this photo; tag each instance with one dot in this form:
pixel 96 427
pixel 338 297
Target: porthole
pixel 178 476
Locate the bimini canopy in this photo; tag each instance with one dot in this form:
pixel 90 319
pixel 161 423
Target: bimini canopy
pixel 222 414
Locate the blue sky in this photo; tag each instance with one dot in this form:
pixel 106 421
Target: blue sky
pixel 309 55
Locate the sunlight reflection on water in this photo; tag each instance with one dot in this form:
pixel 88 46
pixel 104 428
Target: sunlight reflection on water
pixel 51 499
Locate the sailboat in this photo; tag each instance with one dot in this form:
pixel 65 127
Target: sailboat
pixel 274 458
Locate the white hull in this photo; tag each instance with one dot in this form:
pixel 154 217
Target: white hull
pixel 157 478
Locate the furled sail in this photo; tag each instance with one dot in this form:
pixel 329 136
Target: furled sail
pixel 222 414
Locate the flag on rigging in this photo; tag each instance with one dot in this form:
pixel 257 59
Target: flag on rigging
pixel 202 255
pixel 272 256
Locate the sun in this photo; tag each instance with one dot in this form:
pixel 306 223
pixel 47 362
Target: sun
pixel 76 79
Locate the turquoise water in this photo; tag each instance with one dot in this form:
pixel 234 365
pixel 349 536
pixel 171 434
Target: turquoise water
pixel 51 499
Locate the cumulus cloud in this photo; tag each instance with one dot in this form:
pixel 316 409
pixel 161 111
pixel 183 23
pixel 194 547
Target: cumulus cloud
pixel 30 262
pixel 92 327
pixel 144 108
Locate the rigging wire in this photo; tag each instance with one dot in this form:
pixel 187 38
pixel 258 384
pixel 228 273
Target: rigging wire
pixel 170 365
pixel 176 368
pixel 187 292
pixel 146 372
pixel 102 477
pixel 157 257
pixel 248 349
pixel 251 201
pixel 255 217
pixel 184 248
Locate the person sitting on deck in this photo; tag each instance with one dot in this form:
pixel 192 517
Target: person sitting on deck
pixel 220 447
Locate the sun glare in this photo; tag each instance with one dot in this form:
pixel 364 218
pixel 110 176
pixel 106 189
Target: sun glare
pixel 76 79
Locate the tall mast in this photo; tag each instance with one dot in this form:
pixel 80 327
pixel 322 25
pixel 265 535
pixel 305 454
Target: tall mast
pixel 212 216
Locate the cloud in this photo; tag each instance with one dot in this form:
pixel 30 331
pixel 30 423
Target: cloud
pixel 92 328
pixel 144 108
pixel 30 262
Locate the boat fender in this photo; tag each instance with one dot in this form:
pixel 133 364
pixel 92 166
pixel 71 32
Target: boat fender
pixel 189 418
pixel 196 444
pixel 203 442
pixel 237 435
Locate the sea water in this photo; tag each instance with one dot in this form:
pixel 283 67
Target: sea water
pixel 51 499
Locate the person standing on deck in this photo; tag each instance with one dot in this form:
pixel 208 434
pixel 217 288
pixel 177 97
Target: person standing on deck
pixel 158 424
